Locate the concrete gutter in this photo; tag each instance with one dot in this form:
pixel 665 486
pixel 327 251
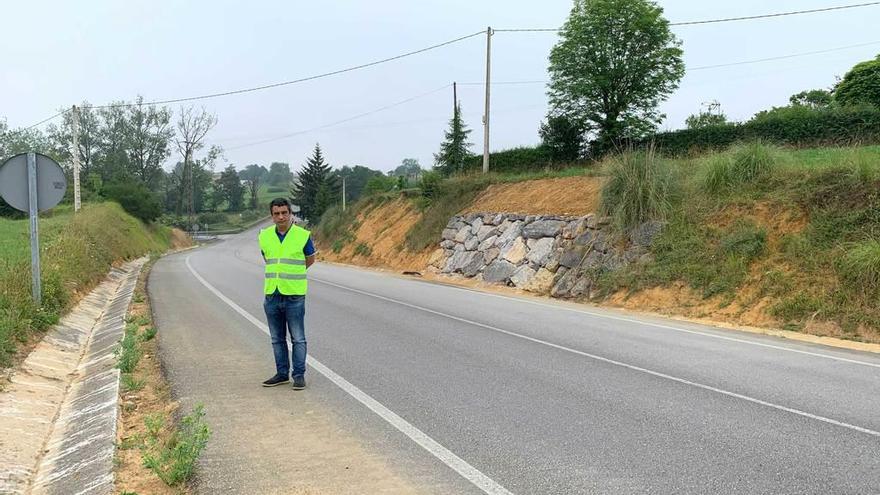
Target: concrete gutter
pixel 58 417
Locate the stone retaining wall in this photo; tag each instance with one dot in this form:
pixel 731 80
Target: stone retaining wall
pixel 559 256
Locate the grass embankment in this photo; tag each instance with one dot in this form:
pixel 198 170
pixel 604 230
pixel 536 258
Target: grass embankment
pixel 77 251
pixel 755 235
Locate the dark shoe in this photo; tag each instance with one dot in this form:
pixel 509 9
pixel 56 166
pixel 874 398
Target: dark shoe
pixel 275 381
pixel 299 382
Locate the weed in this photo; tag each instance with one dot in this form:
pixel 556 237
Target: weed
pixel 638 189
pixel 130 383
pixel 174 459
pixel 129 352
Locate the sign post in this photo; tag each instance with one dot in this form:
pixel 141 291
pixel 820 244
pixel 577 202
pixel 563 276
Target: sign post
pixel 32 182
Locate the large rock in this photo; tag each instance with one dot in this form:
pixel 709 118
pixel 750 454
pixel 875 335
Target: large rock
pixel 448 234
pixel 447 244
pixel 438 258
pixel 581 287
pixel 513 231
pixel 515 252
pixel 585 238
pixel 458 247
pixel 552 263
pixel 471 243
pixel 563 285
pixel 498 271
pixel 497 219
pixel 465 259
pixel 504 225
pixel 540 250
pixel 490 254
pixel 541 282
pixel 574 228
pixel 572 257
pixel 463 234
pixel 645 234
pixel 592 221
pixel 487 243
pixel 602 241
pixel 522 276
pixel 543 228
pixel 474 266
pixel 476 223
pixel 485 232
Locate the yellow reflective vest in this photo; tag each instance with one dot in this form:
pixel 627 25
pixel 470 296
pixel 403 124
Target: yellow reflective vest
pixel 285 261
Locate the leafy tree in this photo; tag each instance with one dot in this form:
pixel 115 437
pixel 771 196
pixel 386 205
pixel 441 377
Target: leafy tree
pixel 148 137
pixel 356 179
pixel 563 137
pixel 861 85
pixel 705 119
pixel 409 167
pixel 112 157
pixel 229 185
pixel 279 174
pixel 615 62
pixel 815 98
pixel 455 148
pixel 61 141
pixel 254 171
pixel 316 177
pixel 379 184
pixel 192 127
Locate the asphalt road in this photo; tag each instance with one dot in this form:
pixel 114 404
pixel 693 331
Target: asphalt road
pixel 438 389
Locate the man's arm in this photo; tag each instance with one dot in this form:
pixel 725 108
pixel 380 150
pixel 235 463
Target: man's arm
pixel 309 252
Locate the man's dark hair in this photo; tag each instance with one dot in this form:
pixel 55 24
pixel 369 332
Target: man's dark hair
pixel 280 202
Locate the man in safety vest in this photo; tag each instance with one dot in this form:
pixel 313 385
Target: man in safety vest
pixel 288 252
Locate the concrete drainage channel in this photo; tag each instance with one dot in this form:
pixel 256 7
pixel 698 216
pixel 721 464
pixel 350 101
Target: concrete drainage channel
pixel 58 416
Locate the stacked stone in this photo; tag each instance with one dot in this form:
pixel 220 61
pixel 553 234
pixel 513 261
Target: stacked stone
pixel 544 254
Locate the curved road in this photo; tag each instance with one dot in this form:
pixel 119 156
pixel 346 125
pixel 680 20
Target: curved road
pixel 416 387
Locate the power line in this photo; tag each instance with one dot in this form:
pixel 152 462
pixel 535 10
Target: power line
pixel 714 21
pixel 279 84
pixel 781 57
pixel 46 120
pixel 348 119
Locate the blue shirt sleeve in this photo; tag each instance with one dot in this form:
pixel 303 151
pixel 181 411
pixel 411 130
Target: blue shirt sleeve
pixel 309 248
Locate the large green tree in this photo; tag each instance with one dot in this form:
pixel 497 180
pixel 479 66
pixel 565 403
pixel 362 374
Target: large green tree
pixel 615 62
pixel 356 179
pixel 455 148
pixel 279 174
pixel 316 188
pixel 148 134
pixel 563 137
pixel 861 85
pixel 231 189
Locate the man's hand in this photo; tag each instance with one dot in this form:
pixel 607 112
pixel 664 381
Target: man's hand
pixel 310 260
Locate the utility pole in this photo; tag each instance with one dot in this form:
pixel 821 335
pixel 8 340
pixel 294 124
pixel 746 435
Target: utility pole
pixel 486 115
pixel 74 129
pixel 454 96
pixel 343 193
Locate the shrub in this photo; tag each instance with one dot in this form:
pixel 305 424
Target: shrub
pixel 430 183
pixel 173 460
pixel 136 199
pixel 522 159
pixel 638 189
pixel 129 352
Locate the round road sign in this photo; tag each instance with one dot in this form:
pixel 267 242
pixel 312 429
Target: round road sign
pixel 51 182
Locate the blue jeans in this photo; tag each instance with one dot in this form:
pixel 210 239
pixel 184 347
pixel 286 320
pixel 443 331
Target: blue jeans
pixel 287 313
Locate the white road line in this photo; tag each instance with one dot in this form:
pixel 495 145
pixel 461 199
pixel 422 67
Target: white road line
pixel 619 363
pixel 470 473
pixel 633 320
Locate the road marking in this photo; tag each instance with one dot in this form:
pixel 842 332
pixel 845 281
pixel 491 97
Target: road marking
pixel 470 473
pixel 619 363
pixel 640 322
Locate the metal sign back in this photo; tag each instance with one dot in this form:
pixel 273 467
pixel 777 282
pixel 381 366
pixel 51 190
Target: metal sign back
pixel 51 182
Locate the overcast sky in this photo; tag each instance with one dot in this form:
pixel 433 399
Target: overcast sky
pixel 55 54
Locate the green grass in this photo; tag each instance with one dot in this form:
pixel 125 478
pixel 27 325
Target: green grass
pixel 638 189
pixel 859 269
pixel 173 457
pixel 129 383
pixel 77 251
pixel 129 352
pixel 148 334
pixel 741 164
